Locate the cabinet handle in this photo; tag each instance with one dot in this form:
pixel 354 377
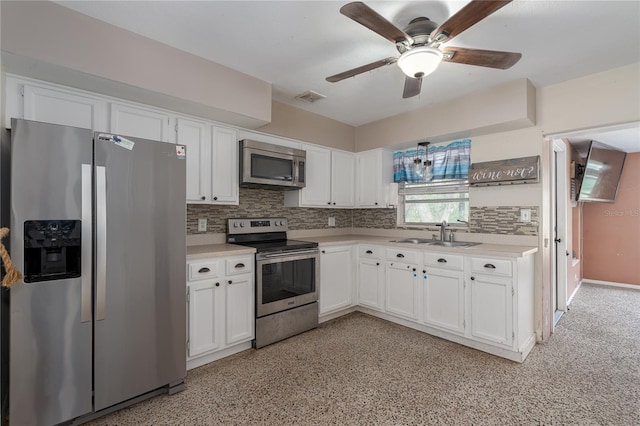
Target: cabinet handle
pixel 369 252
pixel 239 265
pixel 329 203
pixel 323 252
pixel 217 284
pixel 414 269
pixel 400 255
pixel 377 263
pixel 203 198
pixel 473 278
pixel 215 198
pixel 424 271
pixel 203 270
pixel 442 260
pixel 489 266
pixel 376 204
pixel 230 282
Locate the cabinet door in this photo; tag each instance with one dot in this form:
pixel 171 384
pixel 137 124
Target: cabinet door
pixel 239 308
pixel 335 278
pixel 206 317
pixel 491 309
pixel 317 191
pixel 224 166
pixel 371 283
pixel 60 107
pixel 443 303
pixel 139 122
pixel 368 179
pixel 401 281
pixel 195 136
pixel 343 167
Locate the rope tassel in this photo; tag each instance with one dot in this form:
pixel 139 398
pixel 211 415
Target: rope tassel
pixel 13 275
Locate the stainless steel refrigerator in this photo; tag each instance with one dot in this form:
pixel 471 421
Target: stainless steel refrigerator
pixel 98 229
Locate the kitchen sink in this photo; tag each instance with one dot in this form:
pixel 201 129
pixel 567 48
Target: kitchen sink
pixel 413 241
pixel 453 243
pixel 430 242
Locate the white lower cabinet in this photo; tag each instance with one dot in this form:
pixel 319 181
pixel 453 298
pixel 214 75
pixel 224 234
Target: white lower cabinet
pixel 401 278
pixel 483 302
pixel 220 308
pixel 336 276
pixel 371 278
pixel 491 309
pixel 443 299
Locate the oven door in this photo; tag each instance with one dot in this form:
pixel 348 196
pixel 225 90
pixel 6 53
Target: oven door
pixel 286 280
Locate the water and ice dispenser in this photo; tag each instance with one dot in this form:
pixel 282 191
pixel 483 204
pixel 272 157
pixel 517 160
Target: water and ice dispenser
pixel 51 250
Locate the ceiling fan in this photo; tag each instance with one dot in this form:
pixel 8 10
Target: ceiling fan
pixel 419 44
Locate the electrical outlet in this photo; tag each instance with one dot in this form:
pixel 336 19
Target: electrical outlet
pixel 332 221
pixel 525 215
pixel 202 225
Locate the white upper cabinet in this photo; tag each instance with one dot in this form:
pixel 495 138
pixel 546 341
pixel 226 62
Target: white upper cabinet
pixel 373 176
pixel 330 179
pixel 343 174
pixel 224 166
pixel 317 191
pixel 140 122
pixel 63 107
pixel 196 136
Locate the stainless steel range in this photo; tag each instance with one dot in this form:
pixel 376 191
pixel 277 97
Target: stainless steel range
pixel 287 275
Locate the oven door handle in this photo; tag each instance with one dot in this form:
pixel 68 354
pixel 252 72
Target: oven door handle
pixel 288 254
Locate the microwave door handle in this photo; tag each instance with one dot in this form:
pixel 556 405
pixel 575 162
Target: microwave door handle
pixel 294 172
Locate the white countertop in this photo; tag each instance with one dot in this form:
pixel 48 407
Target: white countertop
pixel 502 250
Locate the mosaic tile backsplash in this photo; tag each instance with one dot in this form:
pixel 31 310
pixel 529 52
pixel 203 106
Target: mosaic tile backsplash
pixel 270 203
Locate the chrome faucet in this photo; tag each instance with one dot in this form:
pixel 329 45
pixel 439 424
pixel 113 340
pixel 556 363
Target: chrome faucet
pixel 442 226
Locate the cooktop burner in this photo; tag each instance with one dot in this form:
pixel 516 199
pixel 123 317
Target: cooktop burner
pixel 264 234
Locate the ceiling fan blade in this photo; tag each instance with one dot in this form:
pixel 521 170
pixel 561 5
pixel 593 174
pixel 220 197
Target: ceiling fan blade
pixel 469 15
pixel 364 15
pixel 361 69
pixel 482 58
pixel 412 87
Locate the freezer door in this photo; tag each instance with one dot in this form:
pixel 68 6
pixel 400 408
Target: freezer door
pixel 140 208
pixel 50 319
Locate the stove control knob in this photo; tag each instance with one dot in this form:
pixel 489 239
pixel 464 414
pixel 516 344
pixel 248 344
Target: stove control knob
pixel 278 223
pixel 235 224
pixel 241 224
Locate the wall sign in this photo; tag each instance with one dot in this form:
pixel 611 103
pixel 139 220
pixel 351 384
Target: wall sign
pixel 505 172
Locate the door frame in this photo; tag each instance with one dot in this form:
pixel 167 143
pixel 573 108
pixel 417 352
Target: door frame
pixel 559 227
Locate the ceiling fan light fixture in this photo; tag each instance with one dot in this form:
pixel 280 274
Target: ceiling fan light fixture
pixel 420 61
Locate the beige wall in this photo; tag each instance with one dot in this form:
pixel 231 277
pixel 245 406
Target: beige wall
pixel 45 33
pixel 506 107
pixel 597 100
pixel 306 126
pixel 611 231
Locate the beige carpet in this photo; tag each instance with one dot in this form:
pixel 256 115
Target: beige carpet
pixel 360 370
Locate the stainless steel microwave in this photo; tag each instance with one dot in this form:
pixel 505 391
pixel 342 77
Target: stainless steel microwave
pixel 267 164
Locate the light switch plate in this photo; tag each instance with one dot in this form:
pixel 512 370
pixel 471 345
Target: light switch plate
pixel 202 225
pixel 332 221
pixel 525 215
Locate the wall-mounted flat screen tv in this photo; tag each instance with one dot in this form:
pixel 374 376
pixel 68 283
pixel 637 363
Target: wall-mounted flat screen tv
pixel 602 173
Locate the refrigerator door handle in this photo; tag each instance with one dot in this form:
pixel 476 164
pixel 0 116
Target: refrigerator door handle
pixel 101 241
pixel 85 267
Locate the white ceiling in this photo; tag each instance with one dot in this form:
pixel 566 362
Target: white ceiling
pixel 295 45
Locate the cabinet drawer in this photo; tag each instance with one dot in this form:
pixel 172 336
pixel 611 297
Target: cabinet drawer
pixel 404 256
pixel 202 270
pixel 239 265
pixel 449 261
pixel 371 252
pixel 491 266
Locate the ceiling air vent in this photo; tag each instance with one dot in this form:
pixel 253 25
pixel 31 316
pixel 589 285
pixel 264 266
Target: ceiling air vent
pixel 310 96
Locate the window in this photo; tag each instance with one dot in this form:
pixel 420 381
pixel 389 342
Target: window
pixel 445 196
pixel 431 203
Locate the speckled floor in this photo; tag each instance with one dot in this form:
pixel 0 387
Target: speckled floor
pixel 360 370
